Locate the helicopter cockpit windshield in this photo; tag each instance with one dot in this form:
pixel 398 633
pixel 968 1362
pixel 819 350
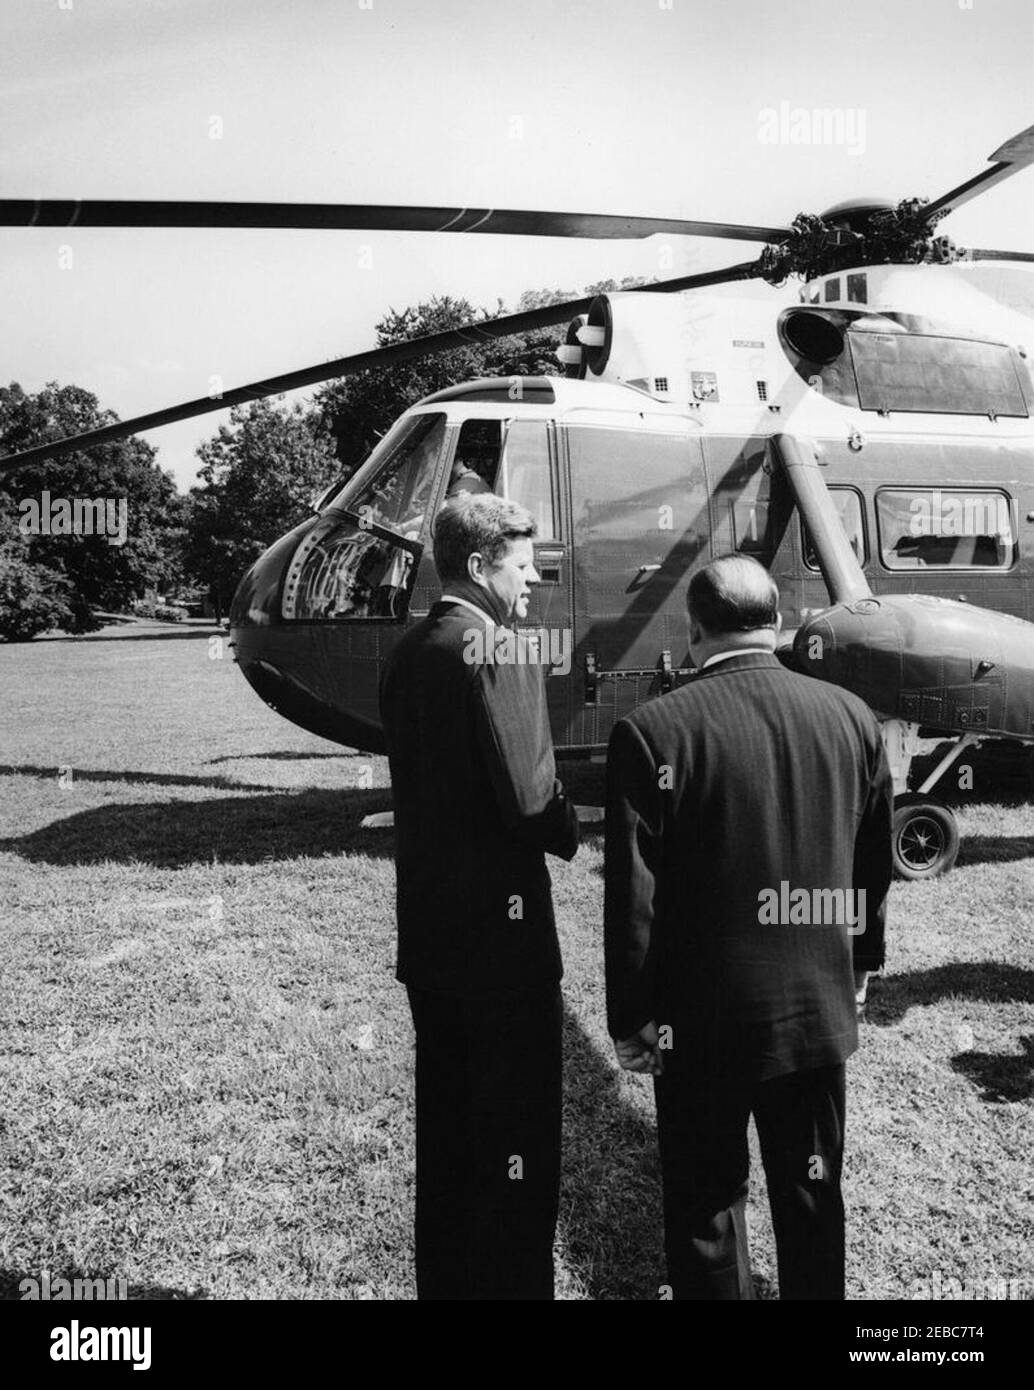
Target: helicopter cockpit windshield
pixel 359 560
pixel 397 495
pixel 347 567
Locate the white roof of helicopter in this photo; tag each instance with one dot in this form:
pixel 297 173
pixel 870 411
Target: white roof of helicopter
pixel 545 395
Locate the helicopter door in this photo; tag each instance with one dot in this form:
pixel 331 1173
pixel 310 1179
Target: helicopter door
pixel 640 525
pixel 528 475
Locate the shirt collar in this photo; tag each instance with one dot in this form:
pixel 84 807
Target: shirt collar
pixel 736 651
pixel 485 617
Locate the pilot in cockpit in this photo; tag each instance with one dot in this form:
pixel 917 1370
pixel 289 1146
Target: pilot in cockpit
pixel 477 459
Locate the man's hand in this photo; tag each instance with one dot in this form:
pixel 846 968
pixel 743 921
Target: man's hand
pixel 640 1052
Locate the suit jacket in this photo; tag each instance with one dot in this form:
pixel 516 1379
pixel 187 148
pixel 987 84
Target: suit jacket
pixel 748 778
pixel 477 806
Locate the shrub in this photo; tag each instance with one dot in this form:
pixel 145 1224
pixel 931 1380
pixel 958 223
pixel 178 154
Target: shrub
pixel 32 598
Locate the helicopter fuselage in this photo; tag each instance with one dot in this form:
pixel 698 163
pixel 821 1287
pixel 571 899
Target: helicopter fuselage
pixel 664 455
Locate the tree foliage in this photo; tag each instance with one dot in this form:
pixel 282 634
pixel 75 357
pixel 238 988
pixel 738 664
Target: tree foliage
pixel 258 478
pixel 85 571
pixel 359 409
pixel 33 598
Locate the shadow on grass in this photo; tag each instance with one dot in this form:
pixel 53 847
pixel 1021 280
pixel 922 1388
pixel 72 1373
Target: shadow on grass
pixel 611 1214
pixel 891 998
pixel 144 779
pixel 1003 1078
pixel 610 1197
pixel 284 757
pixel 995 849
pixel 229 830
pixel 150 1293
pixel 149 635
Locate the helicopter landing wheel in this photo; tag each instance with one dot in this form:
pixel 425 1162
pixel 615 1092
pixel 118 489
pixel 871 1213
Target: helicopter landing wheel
pixel 925 841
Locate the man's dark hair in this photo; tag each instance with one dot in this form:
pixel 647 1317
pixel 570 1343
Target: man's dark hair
pixel 483 523
pixel 733 594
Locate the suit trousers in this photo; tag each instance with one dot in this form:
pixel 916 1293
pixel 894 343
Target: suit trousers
pixel 702 1132
pixel 488 1108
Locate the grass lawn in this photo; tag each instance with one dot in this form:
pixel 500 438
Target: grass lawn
pixel 206 1060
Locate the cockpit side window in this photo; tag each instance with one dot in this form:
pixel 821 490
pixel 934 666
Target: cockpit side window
pixel 511 458
pixel 526 475
pixel 398 494
pixel 475 465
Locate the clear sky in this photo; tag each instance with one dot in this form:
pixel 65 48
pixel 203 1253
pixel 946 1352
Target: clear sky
pixel 639 106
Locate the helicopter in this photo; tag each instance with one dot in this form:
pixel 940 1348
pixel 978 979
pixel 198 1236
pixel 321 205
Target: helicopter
pixel 871 445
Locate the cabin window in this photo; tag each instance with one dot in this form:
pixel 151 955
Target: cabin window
pixel 526 477
pixel 950 376
pixel 948 528
pixel 848 506
pixel 634 486
pixel 750 527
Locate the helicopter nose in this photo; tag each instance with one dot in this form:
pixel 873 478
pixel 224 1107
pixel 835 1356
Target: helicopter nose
pixel 927 660
pixel 320 674
pixel 257 600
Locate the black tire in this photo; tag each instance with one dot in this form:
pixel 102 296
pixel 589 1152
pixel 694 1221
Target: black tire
pixel 925 841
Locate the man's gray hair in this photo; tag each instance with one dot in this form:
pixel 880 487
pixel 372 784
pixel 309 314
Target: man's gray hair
pixel 482 522
pixel 733 594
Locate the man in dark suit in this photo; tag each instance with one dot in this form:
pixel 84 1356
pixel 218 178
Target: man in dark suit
pixel 477 807
pixel 747 864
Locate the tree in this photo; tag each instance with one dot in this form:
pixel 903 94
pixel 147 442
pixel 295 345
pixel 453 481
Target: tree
pixel 258 478
pixel 538 299
pixel 99 569
pixel 359 409
pixel 33 598
pixel 629 282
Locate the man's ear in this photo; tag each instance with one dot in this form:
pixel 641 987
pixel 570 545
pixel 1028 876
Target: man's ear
pixel 696 632
pixel 476 566
pixel 778 624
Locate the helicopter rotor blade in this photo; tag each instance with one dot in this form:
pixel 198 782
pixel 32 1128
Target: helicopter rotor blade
pixel 1010 158
pixel 976 254
pixel 110 212
pixel 392 353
